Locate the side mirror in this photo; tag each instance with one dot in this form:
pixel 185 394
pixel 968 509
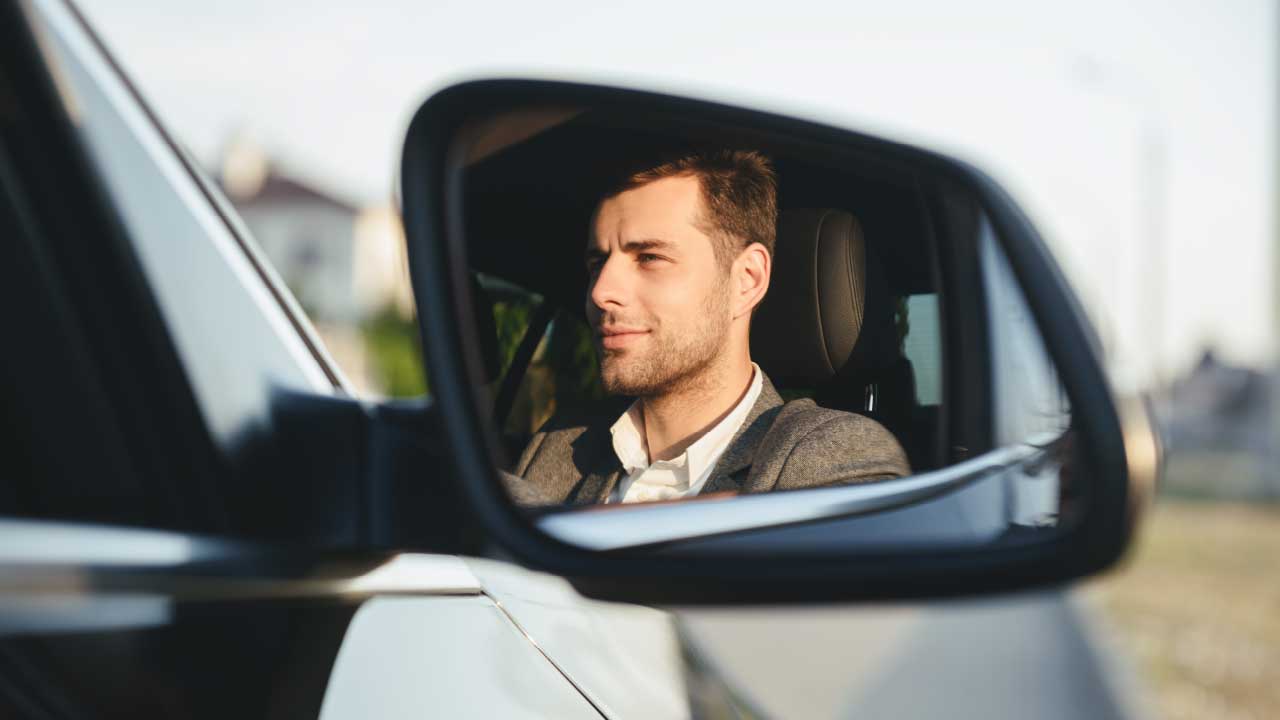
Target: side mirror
pixel 962 437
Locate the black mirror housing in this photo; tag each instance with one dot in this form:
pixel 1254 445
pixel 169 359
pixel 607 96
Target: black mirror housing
pixel 1116 454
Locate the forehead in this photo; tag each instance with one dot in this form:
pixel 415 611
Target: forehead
pixel 666 209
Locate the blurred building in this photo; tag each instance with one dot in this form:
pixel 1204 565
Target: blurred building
pixel 344 263
pixel 1217 425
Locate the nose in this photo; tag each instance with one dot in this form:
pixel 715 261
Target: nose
pixel 608 289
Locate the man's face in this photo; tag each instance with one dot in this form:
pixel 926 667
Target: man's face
pixel 657 298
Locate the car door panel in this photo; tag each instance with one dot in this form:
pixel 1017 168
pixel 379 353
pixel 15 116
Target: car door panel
pixel 122 621
pixel 459 657
pixel 626 658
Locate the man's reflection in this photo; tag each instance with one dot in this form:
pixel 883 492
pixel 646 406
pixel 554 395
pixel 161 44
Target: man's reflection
pixel 679 255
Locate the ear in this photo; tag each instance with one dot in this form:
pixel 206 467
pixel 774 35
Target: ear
pixel 750 278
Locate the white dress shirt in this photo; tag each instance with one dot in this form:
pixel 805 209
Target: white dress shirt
pixel 681 476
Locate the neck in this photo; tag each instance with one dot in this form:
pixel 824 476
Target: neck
pixel 675 420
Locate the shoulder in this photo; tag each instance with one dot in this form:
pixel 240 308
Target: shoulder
pixel 804 418
pixel 593 415
pixel 565 429
pixel 823 446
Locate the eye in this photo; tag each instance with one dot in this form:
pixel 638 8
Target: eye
pixel 647 258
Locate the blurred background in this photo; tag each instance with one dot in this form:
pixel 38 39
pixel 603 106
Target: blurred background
pixel 1140 136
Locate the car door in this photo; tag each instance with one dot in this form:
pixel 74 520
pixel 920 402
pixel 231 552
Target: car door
pixel 184 517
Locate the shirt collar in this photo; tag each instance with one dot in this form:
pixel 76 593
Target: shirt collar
pixel 628 439
pixel 632 449
pixel 706 450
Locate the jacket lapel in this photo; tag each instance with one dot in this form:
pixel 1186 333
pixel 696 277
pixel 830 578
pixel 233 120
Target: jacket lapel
pixel 734 465
pixel 597 485
pixel 601 470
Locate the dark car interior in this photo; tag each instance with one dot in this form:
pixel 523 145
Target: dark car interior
pixel 855 316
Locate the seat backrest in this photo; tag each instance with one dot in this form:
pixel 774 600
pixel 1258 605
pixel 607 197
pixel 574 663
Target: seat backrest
pixel 827 324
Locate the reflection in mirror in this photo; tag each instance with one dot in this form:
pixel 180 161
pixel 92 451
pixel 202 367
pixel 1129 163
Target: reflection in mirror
pixel 683 322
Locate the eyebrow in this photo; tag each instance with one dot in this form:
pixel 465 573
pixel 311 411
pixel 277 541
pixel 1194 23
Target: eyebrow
pixel 647 244
pixel 631 246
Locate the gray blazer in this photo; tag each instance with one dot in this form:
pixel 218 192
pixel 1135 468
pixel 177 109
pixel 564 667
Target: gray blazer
pixel 781 446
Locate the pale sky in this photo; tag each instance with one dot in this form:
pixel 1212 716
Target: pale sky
pixel 1073 107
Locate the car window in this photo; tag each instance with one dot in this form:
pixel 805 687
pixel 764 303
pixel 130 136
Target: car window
pixel 922 345
pixel 558 372
pixel 1029 400
pixel 236 341
pixel 217 383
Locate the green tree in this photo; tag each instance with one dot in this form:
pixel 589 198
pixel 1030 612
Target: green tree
pixel 391 340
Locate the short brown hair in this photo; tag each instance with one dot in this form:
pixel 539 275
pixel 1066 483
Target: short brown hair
pixel 739 193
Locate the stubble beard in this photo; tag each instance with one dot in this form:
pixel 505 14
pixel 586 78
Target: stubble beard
pixel 676 360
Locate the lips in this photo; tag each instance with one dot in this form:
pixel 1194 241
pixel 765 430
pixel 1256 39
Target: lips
pixel 616 337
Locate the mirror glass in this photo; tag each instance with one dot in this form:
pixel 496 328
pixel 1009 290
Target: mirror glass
pixel 698 334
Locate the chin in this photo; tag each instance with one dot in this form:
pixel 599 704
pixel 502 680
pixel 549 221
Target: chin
pixel 614 385
pixel 620 383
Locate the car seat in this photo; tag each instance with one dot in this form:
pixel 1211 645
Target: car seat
pixel 827 326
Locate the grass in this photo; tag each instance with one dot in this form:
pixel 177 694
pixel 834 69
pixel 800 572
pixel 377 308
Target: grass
pixel 1197 608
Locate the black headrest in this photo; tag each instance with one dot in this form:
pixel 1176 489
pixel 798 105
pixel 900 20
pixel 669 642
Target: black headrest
pixel 828 305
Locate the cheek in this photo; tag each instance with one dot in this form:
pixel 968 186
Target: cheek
pixel 665 296
pixel 687 303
